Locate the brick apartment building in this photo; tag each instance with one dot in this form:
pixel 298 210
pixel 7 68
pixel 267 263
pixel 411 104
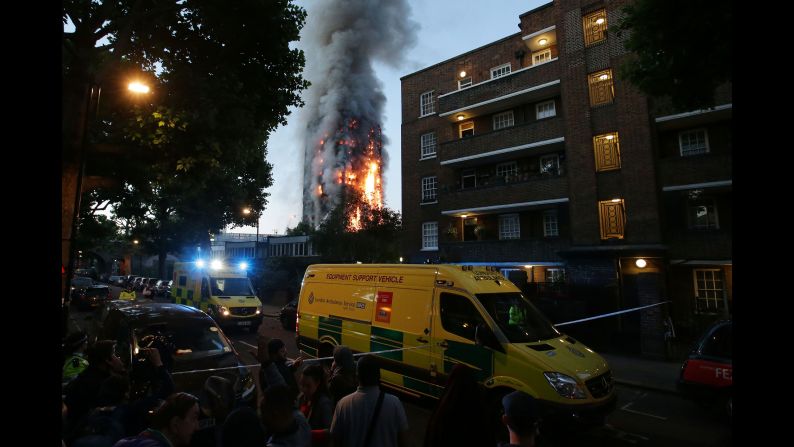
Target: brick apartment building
pixel 531 154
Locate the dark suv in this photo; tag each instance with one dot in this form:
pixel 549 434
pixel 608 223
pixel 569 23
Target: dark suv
pixel 707 373
pixel 90 296
pixel 189 341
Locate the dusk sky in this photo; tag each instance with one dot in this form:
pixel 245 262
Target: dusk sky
pixel 447 29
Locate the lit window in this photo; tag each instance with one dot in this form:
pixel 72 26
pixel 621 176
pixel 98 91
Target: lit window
pixel 541 56
pixel 550 224
pixel 693 142
pixel 509 226
pixel 602 90
pixel 708 290
pixel 463 83
pixel 607 151
pixel 428 145
pixel 426 104
pixel 554 275
pixel 429 188
pixel 545 110
pixel 702 215
pixel 612 216
pixel 467 129
pixel 502 70
pixel 430 236
pixel 595 27
pixel 502 120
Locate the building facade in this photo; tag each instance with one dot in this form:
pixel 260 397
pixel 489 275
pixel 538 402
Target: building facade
pixel 532 154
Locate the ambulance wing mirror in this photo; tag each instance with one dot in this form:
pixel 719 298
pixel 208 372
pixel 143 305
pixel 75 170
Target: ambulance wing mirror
pixel 484 336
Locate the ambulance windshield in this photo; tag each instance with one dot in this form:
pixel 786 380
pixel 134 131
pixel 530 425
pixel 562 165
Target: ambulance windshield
pixel 231 286
pixel 520 321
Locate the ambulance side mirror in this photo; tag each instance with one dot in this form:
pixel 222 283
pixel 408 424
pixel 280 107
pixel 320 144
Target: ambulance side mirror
pixel 484 336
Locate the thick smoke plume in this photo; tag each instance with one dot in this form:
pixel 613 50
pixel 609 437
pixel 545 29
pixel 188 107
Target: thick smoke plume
pixel 344 105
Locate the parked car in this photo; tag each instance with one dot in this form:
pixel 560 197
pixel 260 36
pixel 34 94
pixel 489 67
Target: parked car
pixel 163 288
pixel 88 273
pixel 91 296
pixel 137 283
pixel 79 283
pixel 187 338
pixel 289 314
pixel 118 281
pixel 707 373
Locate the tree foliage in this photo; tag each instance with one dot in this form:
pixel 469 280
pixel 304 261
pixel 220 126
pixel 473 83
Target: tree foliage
pixel 680 48
pixel 194 151
pixel 376 240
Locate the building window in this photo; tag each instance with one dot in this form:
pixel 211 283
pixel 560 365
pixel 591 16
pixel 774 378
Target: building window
pixel 541 56
pixel 468 179
pixel 693 142
pixel 509 226
pixel 612 216
pixel 550 164
pixel 545 110
pixel 702 215
pixel 554 275
pixel 708 290
pixel 428 145
pixel 595 27
pixel 602 90
pixel 430 236
pixel 502 120
pixel 551 226
pixel 508 169
pixel 429 188
pixel 502 70
pixel 607 151
pixel 466 129
pixel 426 104
pixel 463 83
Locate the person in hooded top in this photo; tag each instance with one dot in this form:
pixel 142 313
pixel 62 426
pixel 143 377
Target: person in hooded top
pixel 343 374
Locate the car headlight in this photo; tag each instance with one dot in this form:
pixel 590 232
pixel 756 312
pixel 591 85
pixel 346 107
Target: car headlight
pixel 223 310
pixel 258 310
pixel 566 386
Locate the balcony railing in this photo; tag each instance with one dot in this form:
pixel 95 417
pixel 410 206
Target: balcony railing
pixel 526 188
pixel 519 250
pixel 543 130
pixel 695 169
pixel 514 82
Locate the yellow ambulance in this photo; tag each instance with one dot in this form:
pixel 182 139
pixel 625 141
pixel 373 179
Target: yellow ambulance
pixel 224 292
pixel 432 317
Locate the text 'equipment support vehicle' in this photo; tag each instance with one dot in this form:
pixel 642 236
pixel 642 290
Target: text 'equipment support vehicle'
pixel 437 316
pixel 225 293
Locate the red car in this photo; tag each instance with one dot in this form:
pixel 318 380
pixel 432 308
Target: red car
pixel 707 373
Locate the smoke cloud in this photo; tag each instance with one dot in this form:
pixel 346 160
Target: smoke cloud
pixel 342 39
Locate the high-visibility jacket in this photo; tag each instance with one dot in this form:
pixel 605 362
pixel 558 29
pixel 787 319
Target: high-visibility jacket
pixel 73 366
pixel 516 316
pixel 127 295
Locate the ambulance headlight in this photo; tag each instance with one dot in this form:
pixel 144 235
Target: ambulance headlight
pixel 223 310
pixel 243 266
pixel 216 264
pixel 566 386
pixel 200 263
pixel 258 310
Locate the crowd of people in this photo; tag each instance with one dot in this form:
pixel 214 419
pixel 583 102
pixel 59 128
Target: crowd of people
pixel 301 403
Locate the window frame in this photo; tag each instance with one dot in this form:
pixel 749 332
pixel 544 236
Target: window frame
pixel 468 173
pixel 461 82
pixel 551 228
pixel 691 152
pixel 427 107
pixel 541 165
pixel 601 91
pixel 508 168
pixel 509 226
pixel 470 126
pixel 429 186
pixel 543 52
pixel 511 121
pixel 500 69
pixel 612 219
pixel 716 277
pixel 427 236
pixel 422 146
pixel 707 202
pixel 607 152
pixel 592 31
pixel 541 104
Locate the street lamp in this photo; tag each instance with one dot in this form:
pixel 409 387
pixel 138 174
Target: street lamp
pixel 248 211
pixel 91 109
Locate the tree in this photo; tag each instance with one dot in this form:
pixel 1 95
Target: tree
pixel 377 239
pixel 194 152
pixel 679 48
pixel 304 228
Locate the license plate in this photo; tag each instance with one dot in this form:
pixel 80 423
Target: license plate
pixel 243 323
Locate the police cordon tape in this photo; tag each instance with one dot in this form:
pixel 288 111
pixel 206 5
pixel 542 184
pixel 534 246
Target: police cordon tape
pixel 611 314
pixel 310 360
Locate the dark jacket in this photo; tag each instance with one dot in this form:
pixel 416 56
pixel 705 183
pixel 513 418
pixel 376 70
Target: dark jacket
pixel 147 438
pixel 320 413
pixel 82 393
pixel 341 383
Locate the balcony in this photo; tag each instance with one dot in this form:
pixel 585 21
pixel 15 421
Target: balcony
pixel 690 244
pixel 519 250
pixel 496 191
pixel 520 87
pixel 696 169
pixel 504 144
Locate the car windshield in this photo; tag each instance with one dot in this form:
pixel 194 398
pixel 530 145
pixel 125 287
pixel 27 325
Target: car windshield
pixel 231 286
pixel 188 339
pixel 96 291
pixel 82 281
pixel 520 321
